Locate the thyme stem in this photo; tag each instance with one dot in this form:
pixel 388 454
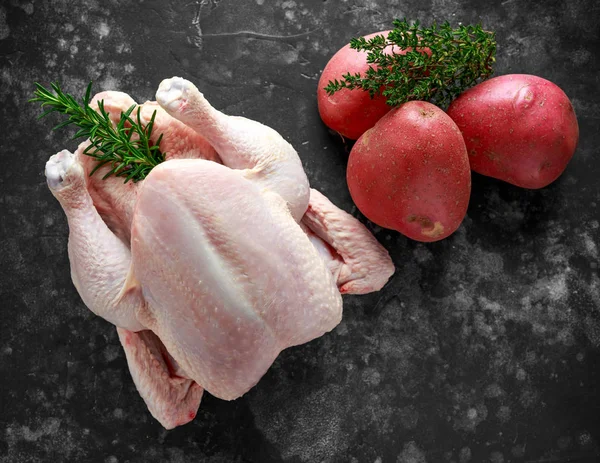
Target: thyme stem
pixel 441 62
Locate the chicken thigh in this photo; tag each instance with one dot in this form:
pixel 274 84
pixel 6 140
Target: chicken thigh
pixel 221 258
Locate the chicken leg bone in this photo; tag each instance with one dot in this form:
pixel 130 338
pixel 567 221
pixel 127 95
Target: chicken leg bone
pixel 99 260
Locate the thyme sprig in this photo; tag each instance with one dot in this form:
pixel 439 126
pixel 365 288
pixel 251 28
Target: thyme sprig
pixel 126 147
pixel 457 59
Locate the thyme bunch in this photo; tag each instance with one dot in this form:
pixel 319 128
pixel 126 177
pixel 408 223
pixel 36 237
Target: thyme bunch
pixel 441 62
pixel 126 147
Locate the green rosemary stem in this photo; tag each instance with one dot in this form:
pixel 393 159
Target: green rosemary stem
pixel 126 148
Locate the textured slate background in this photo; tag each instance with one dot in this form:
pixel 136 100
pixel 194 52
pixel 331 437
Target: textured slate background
pixel 483 348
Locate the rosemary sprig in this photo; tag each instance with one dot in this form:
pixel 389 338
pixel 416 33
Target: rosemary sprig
pixel 126 147
pixel 459 59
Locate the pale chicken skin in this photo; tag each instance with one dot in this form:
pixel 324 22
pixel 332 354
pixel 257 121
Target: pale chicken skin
pixel 216 262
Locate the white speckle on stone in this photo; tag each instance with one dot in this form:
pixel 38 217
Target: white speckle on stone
pixel 129 68
pixel 7 350
pixel 411 453
pixel 486 263
pixel 521 374
pixel 493 391
pixel 62 44
pixel 27 8
pixel 464 456
pixel 531 358
pixel 111 352
pixel 409 417
pixel 260 2
pixel 326 435
pixel 102 29
pixel 496 457
pixel 492 306
pixel 123 48
pixel 290 15
pixel 49 427
pixel 590 246
pixel 585 439
pixel 472 414
pixel 518 451
pixel 422 254
pixel 503 414
pixel 581 56
pixel 4 29
pixel 109 83
pixel 6 77
pixel 73 49
pixel 290 56
pixel 558 289
pixel 342 329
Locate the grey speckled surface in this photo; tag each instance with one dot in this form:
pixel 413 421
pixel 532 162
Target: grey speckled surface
pixel 483 348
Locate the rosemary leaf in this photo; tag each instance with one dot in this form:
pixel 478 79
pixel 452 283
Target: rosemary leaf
pixel 126 147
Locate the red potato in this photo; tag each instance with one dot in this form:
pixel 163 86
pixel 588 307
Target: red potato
pixel 349 112
pixel 518 128
pixel 410 172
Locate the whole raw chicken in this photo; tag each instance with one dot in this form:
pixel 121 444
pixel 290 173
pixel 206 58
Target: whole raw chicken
pixel 216 262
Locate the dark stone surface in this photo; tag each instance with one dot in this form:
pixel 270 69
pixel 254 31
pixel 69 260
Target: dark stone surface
pixel 483 348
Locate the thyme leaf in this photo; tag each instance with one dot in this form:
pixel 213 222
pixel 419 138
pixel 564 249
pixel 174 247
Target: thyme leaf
pixel 439 62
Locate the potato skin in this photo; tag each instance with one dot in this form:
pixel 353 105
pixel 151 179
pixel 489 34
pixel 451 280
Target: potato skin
pixel 349 112
pixel 410 172
pixel 518 128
